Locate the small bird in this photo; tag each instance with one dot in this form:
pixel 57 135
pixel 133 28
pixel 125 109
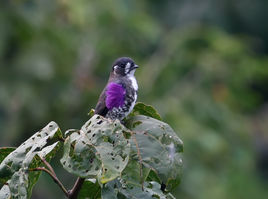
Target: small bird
pixel 120 94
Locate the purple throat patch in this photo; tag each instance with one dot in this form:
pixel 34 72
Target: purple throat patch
pixel 115 95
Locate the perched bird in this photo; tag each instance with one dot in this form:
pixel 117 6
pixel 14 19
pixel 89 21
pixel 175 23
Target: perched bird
pixel 120 94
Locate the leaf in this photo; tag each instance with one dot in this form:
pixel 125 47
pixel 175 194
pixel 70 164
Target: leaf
pixel 79 157
pixel 133 173
pixel 90 190
pixel 91 112
pixel 147 110
pixel 5 192
pixel 152 176
pixel 159 148
pixel 99 149
pixel 119 189
pixel 14 169
pixel 21 183
pixel 4 151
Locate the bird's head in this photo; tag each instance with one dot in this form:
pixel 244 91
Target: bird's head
pixel 124 66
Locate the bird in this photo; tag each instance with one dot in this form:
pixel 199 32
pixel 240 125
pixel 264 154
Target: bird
pixel 119 96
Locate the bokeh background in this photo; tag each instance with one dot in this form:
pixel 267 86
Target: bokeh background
pixel 203 66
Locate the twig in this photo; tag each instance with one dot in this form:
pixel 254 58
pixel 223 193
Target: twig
pixel 140 161
pixel 56 180
pixel 48 166
pixel 73 193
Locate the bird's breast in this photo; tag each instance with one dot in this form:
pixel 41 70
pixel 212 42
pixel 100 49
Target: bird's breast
pixel 133 81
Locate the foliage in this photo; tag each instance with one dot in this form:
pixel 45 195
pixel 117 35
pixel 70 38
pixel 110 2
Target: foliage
pixel 203 65
pixel 159 148
pixel 99 148
pixel 118 189
pixel 142 109
pixel 116 161
pixel 16 180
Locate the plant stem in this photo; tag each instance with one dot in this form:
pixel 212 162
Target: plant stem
pixel 73 193
pixel 56 180
pixel 48 166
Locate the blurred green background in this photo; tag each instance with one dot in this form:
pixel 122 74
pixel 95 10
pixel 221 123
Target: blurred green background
pixel 203 66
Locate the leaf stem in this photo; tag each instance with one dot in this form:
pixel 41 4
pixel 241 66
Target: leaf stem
pixel 71 194
pixel 48 166
pixel 56 180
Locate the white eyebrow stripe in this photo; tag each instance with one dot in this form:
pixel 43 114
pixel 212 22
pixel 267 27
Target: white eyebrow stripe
pixel 127 67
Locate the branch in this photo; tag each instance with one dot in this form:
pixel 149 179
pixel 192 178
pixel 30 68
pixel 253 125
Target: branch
pixel 56 180
pixel 73 193
pixel 48 166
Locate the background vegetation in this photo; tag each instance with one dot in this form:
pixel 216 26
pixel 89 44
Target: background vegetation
pixel 203 65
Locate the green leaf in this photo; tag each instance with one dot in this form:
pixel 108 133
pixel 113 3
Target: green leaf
pixel 91 112
pixel 14 169
pixel 90 190
pixel 99 149
pixel 120 189
pixel 134 172
pixel 4 151
pixel 147 110
pixel 79 156
pixel 152 176
pixel 159 148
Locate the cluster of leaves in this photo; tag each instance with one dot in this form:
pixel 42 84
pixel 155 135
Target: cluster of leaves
pixel 141 159
pixel 16 180
pixel 204 80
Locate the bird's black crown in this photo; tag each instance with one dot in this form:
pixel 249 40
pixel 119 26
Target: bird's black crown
pixel 122 62
pixel 123 66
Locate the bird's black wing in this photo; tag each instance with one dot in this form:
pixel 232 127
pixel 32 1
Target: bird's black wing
pixel 101 108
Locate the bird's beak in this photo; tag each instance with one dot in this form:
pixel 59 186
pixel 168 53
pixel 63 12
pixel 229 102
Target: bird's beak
pixel 133 68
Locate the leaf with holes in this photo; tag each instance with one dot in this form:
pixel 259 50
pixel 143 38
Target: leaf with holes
pixel 14 169
pixel 158 147
pixel 120 189
pixel 143 109
pixel 5 192
pixel 4 152
pixel 22 181
pixel 79 155
pixel 100 149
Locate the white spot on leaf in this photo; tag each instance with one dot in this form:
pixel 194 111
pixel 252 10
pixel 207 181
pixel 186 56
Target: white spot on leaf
pixel 171 150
